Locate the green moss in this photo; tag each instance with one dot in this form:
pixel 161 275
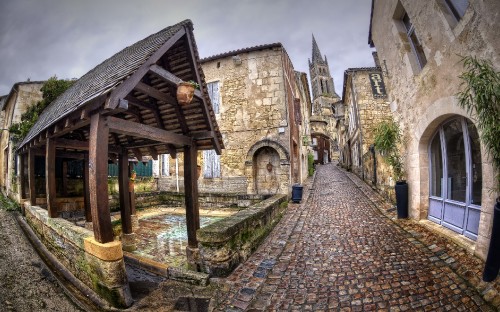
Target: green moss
pixel 8 204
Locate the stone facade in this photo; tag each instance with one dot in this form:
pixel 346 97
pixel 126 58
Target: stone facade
pixel 366 106
pixel 326 108
pixel 21 96
pixel 422 68
pixel 262 116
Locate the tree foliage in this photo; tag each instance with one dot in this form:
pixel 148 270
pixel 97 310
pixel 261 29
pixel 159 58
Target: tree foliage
pixel 51 89
pixel 480 96
pixel 387 139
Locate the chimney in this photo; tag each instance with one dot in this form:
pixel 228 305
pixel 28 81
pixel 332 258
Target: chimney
pixel 375 58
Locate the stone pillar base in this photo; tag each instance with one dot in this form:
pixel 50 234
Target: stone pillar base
pixel 135 222
pixel 193 258
pixel 128 242
pixel 89 226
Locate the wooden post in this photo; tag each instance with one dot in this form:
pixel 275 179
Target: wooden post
pixel 98 179
pixel 64 189
pixel 131 190
pixel 22 175
pixel 50 177
pixel 191 194
pixel 86 190
pixel 123 180
pixel 31 176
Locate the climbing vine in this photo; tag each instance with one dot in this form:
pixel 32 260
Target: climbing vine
pixel 51 89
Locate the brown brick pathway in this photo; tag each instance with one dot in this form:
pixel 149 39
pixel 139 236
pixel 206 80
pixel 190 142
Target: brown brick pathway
pixel 336 251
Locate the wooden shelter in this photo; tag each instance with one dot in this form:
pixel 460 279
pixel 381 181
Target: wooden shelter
pixel 125 107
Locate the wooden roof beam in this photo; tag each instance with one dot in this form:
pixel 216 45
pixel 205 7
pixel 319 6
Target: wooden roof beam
pixel 170 78
pixel 134 129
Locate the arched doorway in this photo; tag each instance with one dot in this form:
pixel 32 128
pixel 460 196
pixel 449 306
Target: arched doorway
pixel 455 177
pixel 266 164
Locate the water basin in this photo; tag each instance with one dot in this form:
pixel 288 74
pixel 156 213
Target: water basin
pixel 163 238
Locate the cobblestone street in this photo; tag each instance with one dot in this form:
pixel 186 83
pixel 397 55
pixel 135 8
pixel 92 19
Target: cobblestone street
pixel 337 251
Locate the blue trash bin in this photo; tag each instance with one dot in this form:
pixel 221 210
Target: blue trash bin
pixel 297 193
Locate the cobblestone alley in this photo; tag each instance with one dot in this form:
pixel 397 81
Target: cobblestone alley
pixel 337 251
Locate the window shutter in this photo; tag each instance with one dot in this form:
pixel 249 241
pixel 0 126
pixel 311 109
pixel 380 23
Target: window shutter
pixel 213 92
pixel 211 164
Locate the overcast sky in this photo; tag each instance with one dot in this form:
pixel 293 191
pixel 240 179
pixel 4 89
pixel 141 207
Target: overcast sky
pixel 67 38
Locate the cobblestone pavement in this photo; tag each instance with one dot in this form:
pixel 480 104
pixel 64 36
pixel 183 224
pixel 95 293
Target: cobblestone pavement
pixel 337 251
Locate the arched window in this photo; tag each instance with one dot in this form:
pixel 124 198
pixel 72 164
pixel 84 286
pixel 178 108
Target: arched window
pixel 455 177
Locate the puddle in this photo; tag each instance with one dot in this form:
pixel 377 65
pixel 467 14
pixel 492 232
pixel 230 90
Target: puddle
pixel 163 238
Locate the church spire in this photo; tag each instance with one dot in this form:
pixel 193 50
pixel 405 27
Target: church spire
pixel 316 54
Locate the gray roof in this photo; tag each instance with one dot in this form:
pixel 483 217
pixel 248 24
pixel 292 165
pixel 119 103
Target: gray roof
pixel 244 50
pixel 103 78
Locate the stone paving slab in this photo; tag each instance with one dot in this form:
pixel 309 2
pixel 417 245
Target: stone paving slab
pixel 337 251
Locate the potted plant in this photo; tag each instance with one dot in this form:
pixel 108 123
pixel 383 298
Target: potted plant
pixel 387 139
pixel 185 91
pixel 480 96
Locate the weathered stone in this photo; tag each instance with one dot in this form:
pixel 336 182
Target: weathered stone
pixel 108 251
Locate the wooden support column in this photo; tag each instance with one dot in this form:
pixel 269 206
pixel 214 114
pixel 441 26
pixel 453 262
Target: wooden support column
pixel 64 189
pixel 131 189
pixel 31 176
pixel 191 194
pixel 123 181
pixel 22 175
pixel 86 190
pixel 98 179
pixel 50 177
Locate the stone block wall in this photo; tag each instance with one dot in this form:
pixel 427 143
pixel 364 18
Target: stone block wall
pixel 226 243
pixel 422 99
pixel 253 108
pixel 98 266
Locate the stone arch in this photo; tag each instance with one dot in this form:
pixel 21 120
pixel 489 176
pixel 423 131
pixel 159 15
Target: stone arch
pixel 282 152
pixel 259 178
pixel 435 115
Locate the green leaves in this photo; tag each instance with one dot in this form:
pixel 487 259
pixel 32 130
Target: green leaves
pixel 480 96
pixel 387 138
pixel 51 89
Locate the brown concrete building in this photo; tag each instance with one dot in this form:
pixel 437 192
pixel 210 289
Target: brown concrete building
pixel 448 170
pixel 262 108
pixel 22 95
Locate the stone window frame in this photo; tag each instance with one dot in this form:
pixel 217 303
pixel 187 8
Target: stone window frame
pixel 453 25
pixel 416 48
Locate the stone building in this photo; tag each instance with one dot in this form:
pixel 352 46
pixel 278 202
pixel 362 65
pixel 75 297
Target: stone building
pixel 262 108
pixel 366 106
pixel 22 95
pixel 326 108
pixel 420 44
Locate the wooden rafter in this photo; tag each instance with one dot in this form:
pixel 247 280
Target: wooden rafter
pixel 131 128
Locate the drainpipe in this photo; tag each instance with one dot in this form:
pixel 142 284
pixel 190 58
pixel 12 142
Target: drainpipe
pixel 177 173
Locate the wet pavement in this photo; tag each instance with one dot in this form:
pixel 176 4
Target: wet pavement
pixel 337 251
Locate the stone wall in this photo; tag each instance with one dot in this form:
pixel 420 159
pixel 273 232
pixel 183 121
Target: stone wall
pixel 253 108
pixel 422 99
pixel 22 96
pixel 98 266
pixel 228 242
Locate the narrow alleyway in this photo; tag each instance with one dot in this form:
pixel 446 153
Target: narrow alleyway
pixel 336 251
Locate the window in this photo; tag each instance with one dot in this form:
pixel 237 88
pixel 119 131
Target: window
pixel 213 92
pixel 165 165
pixel 457 7
pixel 414 42
pixel 211 164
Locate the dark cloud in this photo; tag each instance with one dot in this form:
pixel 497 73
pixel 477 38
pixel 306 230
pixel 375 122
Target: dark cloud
pixel 67 38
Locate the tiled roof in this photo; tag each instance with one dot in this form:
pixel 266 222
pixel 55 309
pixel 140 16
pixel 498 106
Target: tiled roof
pixel 103 78
pixel 244 50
